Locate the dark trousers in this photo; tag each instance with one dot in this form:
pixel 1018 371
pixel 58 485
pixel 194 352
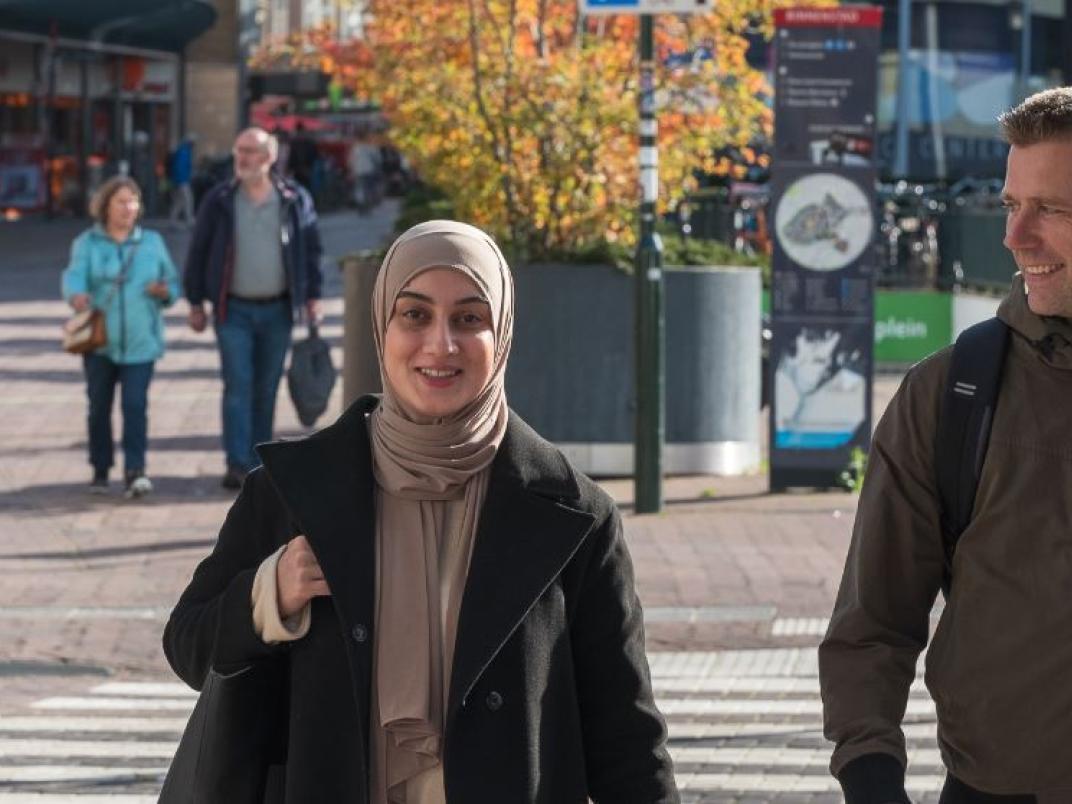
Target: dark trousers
pixel 957 792
pixel 102 375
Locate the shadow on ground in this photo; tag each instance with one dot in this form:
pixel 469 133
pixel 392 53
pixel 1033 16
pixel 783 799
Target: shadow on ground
pixel 117 551
pixel 75 497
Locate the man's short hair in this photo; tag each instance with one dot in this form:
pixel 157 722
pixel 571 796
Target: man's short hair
pixel 1044 116
pixel 271 144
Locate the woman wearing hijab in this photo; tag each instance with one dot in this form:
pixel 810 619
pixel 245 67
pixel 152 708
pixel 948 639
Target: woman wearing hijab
pixel 454 603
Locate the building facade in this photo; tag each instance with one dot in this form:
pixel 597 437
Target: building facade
pixel 967 61
pixel 88 90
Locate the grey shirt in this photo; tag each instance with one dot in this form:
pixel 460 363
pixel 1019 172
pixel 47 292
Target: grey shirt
pixel 258 268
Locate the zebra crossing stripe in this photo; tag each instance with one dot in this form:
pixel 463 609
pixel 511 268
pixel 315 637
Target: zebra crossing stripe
pixel 703 707
pixel 732 685
pixel 76 703
pixel 745 784
pixel 76 798
pixel 59 724
pixel 776 758
pixel 705 730
pixel 759 662
pixel 141 749
pixel 27 774
pixel 144 688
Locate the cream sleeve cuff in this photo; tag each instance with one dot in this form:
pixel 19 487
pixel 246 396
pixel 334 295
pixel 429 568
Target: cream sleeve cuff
pixel 266 620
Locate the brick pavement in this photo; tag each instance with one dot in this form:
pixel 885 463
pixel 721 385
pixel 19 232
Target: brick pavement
pixel 723 545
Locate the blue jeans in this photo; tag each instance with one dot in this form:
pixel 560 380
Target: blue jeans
pixel 101 378
pixel 253 341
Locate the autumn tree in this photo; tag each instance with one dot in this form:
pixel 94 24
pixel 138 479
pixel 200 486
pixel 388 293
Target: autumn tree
pixel 525 112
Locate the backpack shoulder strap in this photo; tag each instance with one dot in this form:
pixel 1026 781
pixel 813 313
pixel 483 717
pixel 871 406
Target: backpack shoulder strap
pixel 968 405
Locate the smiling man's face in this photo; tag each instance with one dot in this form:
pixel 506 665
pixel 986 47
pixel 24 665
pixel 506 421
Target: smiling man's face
pixel 1038 230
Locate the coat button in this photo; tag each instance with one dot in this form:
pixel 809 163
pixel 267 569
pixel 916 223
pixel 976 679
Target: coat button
pixel 359 633
pixel 494 701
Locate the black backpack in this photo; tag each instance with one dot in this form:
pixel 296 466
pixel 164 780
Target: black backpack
pixel 968 404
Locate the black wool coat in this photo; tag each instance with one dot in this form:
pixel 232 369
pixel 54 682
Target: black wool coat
pixel 550 698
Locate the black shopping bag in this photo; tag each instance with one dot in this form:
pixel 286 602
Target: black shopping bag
pixel 233 750
pixel 311 377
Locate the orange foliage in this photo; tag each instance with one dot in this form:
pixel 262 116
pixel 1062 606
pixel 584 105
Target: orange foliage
pixel 526 114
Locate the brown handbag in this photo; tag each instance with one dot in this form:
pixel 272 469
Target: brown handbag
pixel 86 330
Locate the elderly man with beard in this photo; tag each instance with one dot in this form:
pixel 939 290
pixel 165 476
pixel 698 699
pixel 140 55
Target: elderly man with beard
pixel 255 258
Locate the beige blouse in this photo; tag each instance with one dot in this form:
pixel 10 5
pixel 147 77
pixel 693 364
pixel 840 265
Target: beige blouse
pixel 425 788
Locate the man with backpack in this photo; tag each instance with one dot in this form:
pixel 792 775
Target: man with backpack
pixel 967 492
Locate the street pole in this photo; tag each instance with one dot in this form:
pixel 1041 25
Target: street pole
pixel 904 43
pixel 648 276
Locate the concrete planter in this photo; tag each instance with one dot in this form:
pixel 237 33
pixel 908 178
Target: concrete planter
pixel 571 370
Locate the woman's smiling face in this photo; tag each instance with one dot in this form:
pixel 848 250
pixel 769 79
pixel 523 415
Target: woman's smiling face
pixel 439 349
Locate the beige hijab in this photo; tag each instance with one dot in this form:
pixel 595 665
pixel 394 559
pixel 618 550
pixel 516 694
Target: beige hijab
pixel 431 480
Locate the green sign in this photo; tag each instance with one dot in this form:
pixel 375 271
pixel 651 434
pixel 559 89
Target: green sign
pixel 909 325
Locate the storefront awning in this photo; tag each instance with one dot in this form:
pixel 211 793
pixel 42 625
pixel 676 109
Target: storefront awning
pixel 152 24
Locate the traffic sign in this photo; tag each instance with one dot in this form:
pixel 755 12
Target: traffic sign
pixel 647 6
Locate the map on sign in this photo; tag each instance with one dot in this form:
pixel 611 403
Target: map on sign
pixel 823 221
pixel 646 6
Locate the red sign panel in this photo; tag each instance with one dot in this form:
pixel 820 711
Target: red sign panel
pixel 844 17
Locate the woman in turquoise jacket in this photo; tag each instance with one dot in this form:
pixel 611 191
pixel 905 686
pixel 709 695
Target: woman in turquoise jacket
pixel 126 271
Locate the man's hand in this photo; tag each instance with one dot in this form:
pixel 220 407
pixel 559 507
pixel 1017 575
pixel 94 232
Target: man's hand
pixel 197 318
pixel 80 302
pixel 312 309
pixel 298 577
pixel 158 290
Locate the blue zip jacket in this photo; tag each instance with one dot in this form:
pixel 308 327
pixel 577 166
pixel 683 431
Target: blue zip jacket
pixel 209 268
pixel 134 319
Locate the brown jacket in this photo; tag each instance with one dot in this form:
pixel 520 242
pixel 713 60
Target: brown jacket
pixel 1000 664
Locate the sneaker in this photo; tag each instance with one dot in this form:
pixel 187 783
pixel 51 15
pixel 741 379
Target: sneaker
pixel 233 478
pixel 138 485
pixel 99 483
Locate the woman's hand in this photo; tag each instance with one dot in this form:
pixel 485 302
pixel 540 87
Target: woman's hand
pixel 80 302
pixel 158 290
pixel 298 577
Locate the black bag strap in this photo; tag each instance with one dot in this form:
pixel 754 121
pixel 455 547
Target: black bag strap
pixel 968 405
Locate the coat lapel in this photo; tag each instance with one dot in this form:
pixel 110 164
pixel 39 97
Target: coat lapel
pixel 326 483
pixel 527 534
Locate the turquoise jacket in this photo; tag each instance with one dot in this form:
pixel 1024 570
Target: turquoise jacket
pixel 134 319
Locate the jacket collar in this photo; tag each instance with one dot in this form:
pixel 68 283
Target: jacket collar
pixel 529 529
pixel 134 237
pixel 1050 336
pixel 288 191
